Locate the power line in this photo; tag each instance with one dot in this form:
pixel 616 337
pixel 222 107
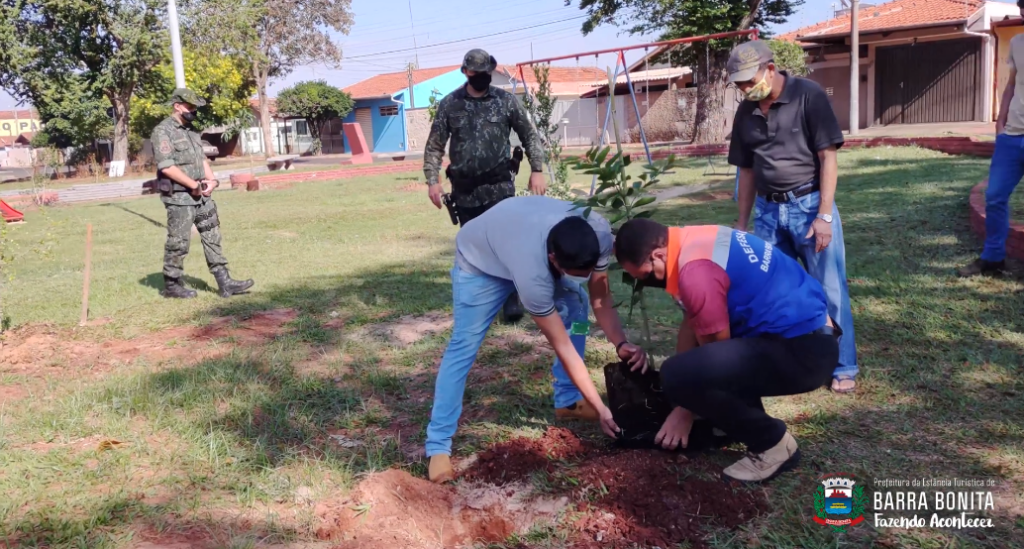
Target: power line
pixel 402 50
pixel 426 58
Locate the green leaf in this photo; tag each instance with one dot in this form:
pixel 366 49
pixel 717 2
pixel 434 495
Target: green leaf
pixel 627 160
pixel 637 186
pixel 599 158
pixel 618 217
pixel 644 201
pixel 618 203
pixel 586 213
pixel 646 214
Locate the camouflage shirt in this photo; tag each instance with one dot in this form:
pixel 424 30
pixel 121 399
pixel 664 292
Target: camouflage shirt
pixel 176 145
pixel 480 129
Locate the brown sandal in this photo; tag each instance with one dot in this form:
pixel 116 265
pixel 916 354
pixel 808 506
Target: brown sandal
pixel 843 384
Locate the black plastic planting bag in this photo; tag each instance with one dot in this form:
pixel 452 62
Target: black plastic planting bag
pixel 640 408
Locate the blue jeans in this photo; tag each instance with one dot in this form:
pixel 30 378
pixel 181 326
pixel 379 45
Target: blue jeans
pixel 477 300
pixel 785 226
pixel 1005 172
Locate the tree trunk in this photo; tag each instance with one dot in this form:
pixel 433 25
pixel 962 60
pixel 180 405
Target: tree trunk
pixel 261 94
pixel 120 152
pixel 316 128
pixel 711 118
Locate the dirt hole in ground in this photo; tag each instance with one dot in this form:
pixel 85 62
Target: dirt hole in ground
pixel 394 509
pixel 622 497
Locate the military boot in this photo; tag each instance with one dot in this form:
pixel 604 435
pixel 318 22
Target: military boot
pixel 228 286
pixel 173 288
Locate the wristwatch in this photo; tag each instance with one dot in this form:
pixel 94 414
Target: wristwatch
pixel 827 218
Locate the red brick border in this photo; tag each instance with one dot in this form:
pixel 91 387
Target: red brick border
pixel 1014 240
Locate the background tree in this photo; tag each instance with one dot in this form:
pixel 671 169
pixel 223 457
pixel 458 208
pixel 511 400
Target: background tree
pixel 73 113
pixel 223 80
pixel 272 36
pixel 541 107
pixel 318 102
pixel 107 47
pixel 671 19
pixel 789 56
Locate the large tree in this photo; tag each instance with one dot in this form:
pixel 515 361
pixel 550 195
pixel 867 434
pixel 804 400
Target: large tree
pixel 222 80
pixel 671 19
pixel 318 102
pixel 273 36
pixel 104 47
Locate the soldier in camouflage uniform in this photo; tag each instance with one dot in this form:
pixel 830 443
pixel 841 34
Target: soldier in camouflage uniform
pixel 186 183
pixel 479 119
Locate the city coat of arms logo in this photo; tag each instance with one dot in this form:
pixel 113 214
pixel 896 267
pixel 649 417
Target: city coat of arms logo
pixel 839 502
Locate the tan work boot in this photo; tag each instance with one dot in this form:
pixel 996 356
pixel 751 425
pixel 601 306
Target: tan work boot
pixel 440 469
pixel 766 465
pixel 580 410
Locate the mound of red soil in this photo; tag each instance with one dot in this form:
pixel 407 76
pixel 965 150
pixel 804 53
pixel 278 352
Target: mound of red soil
pixel 394 509
pixel 517 459
pixel 636 497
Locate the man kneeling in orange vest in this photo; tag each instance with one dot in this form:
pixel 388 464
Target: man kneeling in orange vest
pixel 756 325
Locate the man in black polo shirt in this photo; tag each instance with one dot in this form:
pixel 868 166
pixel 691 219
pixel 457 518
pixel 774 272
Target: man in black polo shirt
pixel 784 141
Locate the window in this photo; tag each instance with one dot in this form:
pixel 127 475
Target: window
pixel 301 127
pixel 390 110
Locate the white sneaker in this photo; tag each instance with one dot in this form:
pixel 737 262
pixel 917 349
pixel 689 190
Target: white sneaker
pixel 767 465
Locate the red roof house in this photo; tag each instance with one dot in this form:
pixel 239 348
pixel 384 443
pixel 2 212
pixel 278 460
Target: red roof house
pixel 921 61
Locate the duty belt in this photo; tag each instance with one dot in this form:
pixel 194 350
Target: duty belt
pixel 789 196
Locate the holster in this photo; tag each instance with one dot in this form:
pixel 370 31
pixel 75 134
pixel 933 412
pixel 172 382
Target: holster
pixel 453 209
pixel 164 186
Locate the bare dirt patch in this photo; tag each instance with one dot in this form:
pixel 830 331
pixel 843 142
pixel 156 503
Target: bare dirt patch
pixel 394 509
pixel 408 329
pixel 626 497
pixel 43 350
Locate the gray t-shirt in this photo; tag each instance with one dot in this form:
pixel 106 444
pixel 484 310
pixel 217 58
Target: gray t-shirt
pixel 510 241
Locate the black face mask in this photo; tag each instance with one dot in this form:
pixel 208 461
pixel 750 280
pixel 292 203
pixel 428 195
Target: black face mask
pixel 480 81
pixel 189 116
pixel 650 281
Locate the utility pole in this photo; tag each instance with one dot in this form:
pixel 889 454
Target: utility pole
pixel 854 68
pixel 179 65
pixel 412 98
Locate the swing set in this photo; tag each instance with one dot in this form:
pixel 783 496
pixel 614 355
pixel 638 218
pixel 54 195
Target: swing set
pixel 621 65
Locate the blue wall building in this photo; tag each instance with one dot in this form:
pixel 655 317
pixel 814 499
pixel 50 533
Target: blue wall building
pixel 381 103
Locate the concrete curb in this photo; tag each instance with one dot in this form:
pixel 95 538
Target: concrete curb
pixel 1014 239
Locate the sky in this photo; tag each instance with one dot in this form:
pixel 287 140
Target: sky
pixel 438 33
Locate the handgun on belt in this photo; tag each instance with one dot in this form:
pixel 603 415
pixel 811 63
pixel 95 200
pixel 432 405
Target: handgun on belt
pixel 453 209
pixel 517 159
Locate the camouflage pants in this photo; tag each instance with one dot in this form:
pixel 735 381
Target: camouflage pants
pixel 179 236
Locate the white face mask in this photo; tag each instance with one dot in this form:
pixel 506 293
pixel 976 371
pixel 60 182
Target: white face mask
pixel 581 280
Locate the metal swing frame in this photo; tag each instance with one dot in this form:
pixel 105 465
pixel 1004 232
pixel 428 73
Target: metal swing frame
pixel 620 64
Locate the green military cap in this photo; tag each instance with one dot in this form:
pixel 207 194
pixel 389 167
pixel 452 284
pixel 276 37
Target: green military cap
pixel 746 58
pixel 477 60
pixel 185 95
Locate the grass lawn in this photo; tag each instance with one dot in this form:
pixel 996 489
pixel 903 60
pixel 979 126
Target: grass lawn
pixel 167 421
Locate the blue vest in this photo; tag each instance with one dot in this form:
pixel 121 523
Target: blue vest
pixel 769 292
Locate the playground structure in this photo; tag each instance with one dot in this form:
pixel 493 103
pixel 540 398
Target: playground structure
pixel 620 64
pixel 10 215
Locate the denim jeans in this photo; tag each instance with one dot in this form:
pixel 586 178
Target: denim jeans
pixel 785 226
pixel 1005 172
pixel 477 300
